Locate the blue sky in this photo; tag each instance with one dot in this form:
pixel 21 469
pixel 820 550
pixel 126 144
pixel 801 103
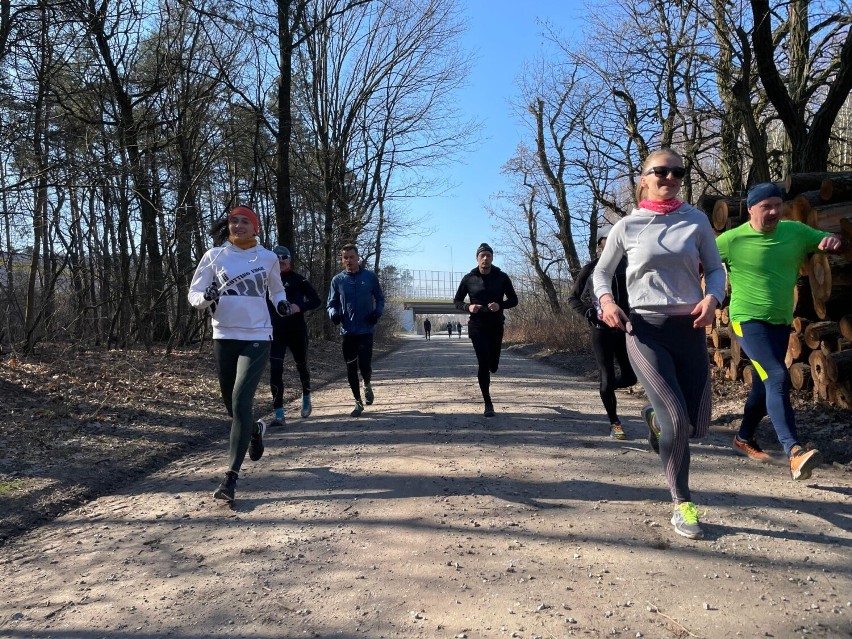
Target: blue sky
pixel 503 35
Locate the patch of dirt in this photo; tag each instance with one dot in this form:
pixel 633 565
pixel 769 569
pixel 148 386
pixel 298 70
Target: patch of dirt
pixel 424 519
pixel 77 423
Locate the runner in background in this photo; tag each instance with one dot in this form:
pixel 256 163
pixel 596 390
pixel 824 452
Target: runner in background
pixel 427 328
pixel 489 291
pixel 291 332
pixel 355 303
pixel 608 344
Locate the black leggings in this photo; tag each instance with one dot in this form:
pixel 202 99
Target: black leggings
pixel 487 342
pixel 608 346
pixel 297 342
pixel 670 358
pixel 358 355
pixel 241 365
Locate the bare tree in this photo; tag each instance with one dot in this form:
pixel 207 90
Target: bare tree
pixel 818 80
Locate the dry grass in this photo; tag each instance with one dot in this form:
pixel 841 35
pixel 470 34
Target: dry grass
pixel 533 323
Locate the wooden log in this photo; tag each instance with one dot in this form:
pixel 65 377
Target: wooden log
pixel 843 395
pixel 830 345
pixel 838 367
pixel 836 188
pixel 800 210
pixel 828 216
pixel 797 350
pixel 707 201
pixel 817 362
pixel 795 183
pixel 721 357
pixel 726 318
pixel 800 324
pixel 736 350
pixel 725 209
pixel 749 375
pixel 735 371
pixel 845 326
pixel 818 331
pixel 721 337
pixel 800 376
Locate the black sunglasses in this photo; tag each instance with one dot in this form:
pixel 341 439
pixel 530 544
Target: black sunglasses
pixel 662 171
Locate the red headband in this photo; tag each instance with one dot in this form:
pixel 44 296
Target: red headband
pixel 244 210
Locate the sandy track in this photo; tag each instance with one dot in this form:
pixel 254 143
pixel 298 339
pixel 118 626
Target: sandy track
pixel 424 519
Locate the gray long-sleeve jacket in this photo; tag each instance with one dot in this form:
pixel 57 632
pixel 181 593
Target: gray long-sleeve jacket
pixel 663 257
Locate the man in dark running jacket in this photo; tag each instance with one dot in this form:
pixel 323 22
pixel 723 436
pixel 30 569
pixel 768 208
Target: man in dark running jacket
pixel 291 332
pixel 490 292
pixel 355 303
pixel 608 344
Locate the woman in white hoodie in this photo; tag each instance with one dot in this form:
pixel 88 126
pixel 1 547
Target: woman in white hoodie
pixel 666 242
pixel 232 279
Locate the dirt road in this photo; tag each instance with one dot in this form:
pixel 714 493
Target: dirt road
pixel 424 519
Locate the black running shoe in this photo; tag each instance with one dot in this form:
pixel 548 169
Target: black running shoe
pixel 227 487
pixel 368 394
pixel 255 450
pixel 489 410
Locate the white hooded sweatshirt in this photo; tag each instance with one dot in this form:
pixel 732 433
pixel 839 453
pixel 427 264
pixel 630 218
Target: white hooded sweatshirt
pixel 243 276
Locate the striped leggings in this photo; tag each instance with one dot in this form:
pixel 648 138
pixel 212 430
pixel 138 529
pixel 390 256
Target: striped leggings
pixel 669 357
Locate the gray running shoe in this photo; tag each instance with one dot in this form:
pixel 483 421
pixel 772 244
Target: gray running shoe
pixel 306 405
pixel 359 408
pixel 368 394
pixel 685 521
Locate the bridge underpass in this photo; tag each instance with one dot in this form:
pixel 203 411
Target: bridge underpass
pixel 412 308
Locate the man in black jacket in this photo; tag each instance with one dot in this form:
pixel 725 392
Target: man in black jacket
pixel 490 292
pixel 291 332
pixel 608 344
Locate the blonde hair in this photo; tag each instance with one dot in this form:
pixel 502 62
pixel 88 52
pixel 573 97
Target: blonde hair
pixel 666 152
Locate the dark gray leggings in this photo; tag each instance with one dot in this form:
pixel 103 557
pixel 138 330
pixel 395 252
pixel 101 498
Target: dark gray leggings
pixel 241 365
pixel 669 357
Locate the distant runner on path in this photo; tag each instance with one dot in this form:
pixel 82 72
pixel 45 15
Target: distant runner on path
pixel 490 292
pixel 233 279
pixel 458 328
pixel 427 328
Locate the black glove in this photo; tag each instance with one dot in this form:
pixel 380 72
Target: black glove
pixel 373 317
pixel 211 293
pixel 336 318
pixel 283 308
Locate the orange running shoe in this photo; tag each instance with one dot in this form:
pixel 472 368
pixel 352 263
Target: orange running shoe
pixel 750 449
pixel 802 462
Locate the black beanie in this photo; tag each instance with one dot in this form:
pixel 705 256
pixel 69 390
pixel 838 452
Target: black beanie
pixel 484 248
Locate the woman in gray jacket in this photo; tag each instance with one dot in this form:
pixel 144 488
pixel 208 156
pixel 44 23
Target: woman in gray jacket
pixel 666 242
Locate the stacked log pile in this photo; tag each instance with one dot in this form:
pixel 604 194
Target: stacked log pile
pixel 819 353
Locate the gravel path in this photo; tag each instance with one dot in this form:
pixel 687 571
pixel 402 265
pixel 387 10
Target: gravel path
pixel 424 519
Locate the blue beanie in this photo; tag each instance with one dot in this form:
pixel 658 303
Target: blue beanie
pixel 760 192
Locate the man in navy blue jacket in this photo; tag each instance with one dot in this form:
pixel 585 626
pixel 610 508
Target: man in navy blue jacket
pixel 355 303
pixel 490 292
